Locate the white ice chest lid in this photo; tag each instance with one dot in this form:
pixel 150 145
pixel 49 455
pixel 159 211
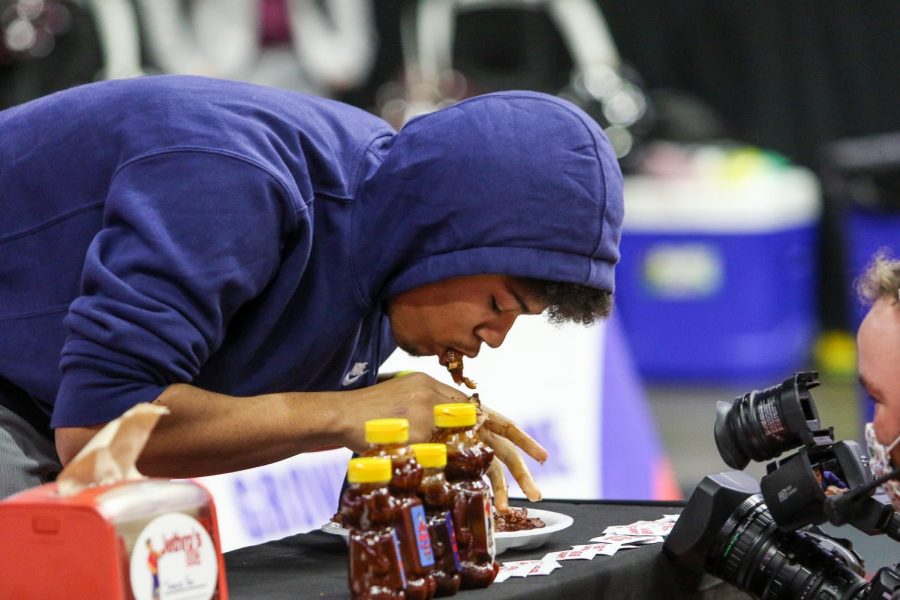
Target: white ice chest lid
pixel 775 199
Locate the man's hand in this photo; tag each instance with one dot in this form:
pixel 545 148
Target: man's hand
pixel 506 438
pixel 411 396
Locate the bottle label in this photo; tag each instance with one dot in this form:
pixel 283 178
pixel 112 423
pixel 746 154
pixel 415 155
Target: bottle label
pixel 451 535
pixel 399 557
pixel 174 557
pixel 423 538
pixel 489 525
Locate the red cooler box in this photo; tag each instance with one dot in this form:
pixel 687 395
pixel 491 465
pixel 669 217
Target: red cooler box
pixel 138 540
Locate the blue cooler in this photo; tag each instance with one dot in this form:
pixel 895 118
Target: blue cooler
pixel 717 281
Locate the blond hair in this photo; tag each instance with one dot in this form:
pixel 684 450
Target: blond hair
pixel 880 280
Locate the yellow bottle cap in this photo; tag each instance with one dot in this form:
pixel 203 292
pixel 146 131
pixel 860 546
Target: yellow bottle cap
pixel 430 455
pixel 460 414
pixel 369 470
pixel 387 431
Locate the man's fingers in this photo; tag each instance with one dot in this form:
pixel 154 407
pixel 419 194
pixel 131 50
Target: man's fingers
pixel 451 393
pixel 480 418
pixel 498 484
pixel 504 427
pixel 507 453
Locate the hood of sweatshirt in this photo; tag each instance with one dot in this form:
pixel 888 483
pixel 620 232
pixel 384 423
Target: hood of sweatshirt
pixel 514 183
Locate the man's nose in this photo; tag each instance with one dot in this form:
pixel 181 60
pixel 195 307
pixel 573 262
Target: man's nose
pixel 494 332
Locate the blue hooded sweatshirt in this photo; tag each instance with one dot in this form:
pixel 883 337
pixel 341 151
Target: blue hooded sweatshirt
pixel 244 239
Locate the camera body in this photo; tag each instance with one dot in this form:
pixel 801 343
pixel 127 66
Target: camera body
pixel 726 530
pixel 761 537
pixel 797 497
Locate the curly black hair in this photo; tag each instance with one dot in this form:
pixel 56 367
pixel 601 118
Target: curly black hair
pixel 571 302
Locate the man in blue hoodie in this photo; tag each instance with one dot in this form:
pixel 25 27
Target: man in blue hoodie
pixel 248 257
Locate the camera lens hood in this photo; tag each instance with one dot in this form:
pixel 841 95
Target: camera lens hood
pixel 711 504
pixel 729 448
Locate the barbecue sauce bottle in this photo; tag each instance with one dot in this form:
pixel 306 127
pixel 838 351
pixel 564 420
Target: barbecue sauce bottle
pixel 437 496
pixel 369 510
pixel 467 460
pixel 388 438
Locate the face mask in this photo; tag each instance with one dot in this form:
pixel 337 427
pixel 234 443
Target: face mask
pixel 880 464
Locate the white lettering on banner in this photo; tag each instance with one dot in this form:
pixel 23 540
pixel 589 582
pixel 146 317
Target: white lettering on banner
pixel 286 502
pixel 270 502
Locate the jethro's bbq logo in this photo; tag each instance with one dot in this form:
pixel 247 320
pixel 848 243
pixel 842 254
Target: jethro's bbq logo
pixel 189 544
pixel 174 559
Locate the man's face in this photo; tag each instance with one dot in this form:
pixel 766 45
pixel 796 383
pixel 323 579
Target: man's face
pixel 878 341
pixel 459 314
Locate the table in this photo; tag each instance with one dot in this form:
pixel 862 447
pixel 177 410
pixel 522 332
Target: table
pixel 314 565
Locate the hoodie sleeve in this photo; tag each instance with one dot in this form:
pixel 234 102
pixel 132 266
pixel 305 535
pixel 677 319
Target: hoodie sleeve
pixel 188 238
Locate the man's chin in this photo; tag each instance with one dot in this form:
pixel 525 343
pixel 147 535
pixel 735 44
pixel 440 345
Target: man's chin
pixel 412 350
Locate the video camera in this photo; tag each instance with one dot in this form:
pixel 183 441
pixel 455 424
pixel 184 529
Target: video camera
pixel 762 537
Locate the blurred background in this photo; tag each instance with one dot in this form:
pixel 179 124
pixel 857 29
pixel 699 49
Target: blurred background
pixel 760 142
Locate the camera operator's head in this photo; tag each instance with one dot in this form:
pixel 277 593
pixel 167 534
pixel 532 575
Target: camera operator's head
pixel 878 341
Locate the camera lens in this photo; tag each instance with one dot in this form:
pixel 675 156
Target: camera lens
pixel 762 424
pixel 726 530
pixel 751 553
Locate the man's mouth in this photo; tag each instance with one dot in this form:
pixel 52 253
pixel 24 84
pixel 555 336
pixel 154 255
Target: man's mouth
pixel 452 360
pixel 447 355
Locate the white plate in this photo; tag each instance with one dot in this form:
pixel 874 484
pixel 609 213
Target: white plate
pixel 533 538
pixel 521 540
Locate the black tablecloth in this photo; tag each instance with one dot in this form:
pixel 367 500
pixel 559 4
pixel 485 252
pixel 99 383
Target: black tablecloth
pixel 314 565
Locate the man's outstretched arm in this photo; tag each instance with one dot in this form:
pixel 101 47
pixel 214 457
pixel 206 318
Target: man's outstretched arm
pixel 209 433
